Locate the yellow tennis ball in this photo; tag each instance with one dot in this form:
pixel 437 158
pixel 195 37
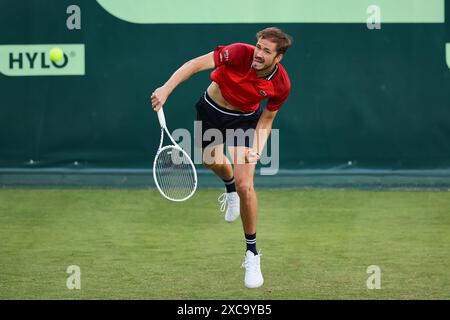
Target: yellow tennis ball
pixel 56 54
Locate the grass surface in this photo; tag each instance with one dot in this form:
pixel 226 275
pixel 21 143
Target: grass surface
pixel 133 244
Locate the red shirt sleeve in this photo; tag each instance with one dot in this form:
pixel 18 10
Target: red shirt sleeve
pixel 276 102
pixel 236 55
pixel 282 88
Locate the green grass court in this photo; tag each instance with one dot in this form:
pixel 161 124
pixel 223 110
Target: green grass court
pixel 133 244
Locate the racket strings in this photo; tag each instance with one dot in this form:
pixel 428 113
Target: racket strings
pixel 175 174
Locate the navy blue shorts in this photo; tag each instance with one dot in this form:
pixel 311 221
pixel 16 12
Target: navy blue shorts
pixel 227 122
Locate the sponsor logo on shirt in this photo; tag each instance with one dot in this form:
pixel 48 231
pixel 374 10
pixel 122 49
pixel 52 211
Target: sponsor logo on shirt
pixel 226 55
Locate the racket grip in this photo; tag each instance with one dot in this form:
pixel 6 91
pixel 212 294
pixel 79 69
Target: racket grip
pixel 161 118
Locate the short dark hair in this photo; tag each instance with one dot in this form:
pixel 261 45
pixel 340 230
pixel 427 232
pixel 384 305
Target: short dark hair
pixel 282 39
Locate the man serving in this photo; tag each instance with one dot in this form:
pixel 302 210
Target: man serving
pixel 244 75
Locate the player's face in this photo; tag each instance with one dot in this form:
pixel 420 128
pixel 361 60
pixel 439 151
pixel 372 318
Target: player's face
pixel 265 55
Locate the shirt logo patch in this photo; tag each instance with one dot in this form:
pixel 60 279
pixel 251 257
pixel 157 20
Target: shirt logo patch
pixel 226 55
pixel 263 93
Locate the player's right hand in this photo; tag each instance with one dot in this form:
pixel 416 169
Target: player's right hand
pixel 158 98
pixel 251 156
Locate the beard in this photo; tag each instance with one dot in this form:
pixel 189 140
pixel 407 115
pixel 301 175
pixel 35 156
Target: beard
pixel 258 66
pixel 261 66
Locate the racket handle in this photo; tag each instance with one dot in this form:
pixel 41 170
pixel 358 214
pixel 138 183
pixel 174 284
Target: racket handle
pixel 161 118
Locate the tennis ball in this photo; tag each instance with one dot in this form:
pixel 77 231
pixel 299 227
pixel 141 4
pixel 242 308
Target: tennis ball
pixel 56 54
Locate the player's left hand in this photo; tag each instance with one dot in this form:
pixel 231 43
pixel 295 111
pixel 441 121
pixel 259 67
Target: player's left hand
pixel 251 156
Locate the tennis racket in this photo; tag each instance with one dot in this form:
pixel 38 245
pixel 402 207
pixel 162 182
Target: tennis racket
pixel 173 171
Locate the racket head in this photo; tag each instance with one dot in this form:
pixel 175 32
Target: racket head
pixel 174 173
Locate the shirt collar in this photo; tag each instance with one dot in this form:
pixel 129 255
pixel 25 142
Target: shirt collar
pixel 270 76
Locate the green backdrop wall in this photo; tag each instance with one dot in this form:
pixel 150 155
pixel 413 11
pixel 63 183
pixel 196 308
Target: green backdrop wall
pixel 378 98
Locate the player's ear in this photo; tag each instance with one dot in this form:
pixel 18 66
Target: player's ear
pixel 279 57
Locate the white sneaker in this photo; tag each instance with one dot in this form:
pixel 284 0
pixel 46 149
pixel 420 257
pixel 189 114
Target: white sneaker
pixel 230 202
pixel 252 264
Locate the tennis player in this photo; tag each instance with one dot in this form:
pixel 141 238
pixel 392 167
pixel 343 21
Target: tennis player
pixel 244 75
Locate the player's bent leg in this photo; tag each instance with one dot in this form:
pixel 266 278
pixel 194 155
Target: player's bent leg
pixel 215 160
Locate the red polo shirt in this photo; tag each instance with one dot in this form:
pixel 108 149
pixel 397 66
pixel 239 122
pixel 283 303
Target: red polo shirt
pixel 238 82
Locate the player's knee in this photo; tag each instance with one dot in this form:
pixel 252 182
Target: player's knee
pixel 244 188
pixel 208 165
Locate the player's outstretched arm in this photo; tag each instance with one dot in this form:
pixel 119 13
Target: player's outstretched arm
pixel 160 95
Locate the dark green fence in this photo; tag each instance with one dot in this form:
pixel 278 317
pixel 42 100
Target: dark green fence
pixel 376 99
